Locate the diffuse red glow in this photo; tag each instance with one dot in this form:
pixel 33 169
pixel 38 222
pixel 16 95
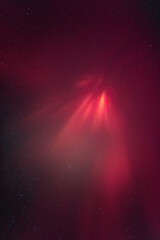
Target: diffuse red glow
pixel 95 150
pixel 91 131
pixel 92 137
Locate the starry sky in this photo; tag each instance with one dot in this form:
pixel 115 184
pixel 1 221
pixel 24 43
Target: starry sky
pixel 80 97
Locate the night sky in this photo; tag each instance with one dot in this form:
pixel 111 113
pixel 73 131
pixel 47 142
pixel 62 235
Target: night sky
pixel 80 95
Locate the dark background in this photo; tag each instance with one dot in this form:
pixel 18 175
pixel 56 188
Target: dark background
pixel 45 47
